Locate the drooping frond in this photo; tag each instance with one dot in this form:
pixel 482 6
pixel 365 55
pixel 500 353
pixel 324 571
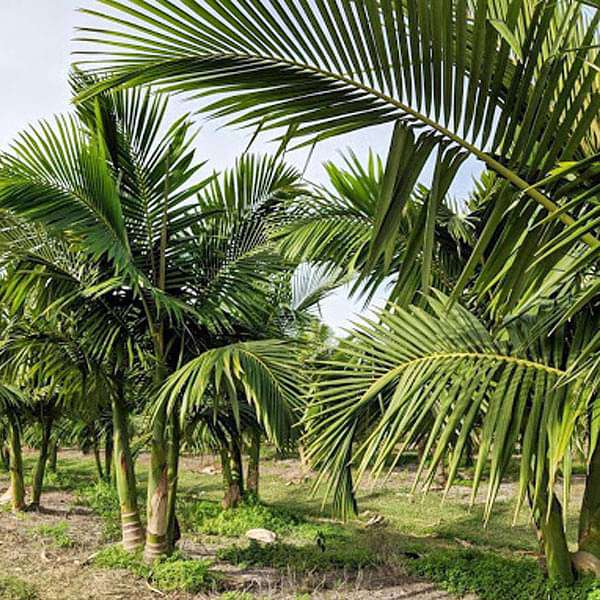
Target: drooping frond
pixel 436 375
pixel 267 372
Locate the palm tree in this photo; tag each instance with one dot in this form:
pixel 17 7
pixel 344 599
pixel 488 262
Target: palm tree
pixel 333 228
pixel 512 84
pixel 428 372
pixel 115 183
pixel 149 272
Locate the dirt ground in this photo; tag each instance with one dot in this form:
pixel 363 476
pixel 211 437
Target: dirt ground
pixel 67 574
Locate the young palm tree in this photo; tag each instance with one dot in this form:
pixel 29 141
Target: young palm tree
pixel 115 192
pixel 428 372
pixel 334 228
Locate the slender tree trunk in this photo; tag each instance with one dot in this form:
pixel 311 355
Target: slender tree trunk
pixel 5 456
pixel 237 466
pixel 17 480
pixel 231 480
pixel 158 475
pixel 589 521
pixel 40 468
pixel 253 473
pixel 552 537
pixel 133 533
pixel 109 473
pixel 98 462
pixel 558 558
pixel 52 465
pixel 173 533
pixel 158 491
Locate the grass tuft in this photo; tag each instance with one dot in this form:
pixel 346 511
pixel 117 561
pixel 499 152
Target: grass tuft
pixel 103 499
pixel 300 558
pixel 175 573
pixel 13 588
pixel 57 533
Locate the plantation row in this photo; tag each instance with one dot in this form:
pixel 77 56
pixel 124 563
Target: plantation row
pixel 150 306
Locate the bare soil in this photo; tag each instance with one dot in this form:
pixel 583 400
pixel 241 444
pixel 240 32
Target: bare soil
pixel 67 573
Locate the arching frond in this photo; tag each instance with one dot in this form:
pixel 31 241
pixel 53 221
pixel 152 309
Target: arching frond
pixel 438 374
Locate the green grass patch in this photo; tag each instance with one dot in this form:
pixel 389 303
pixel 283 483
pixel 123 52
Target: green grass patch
pixel 494 577
pixel 207 517
pixel 175 573
pixel 13 588
pixel 103 499
pixel 58 534
pixel 300 558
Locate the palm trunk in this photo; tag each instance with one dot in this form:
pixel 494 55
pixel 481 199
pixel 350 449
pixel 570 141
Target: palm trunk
pixel 17 481
pixel 231 479
pixel 173 533
pixel 40 468
pixel 253 473
pixel 558 559
pixel 158 491
pixel 589 521
pixel 109 473
pixel 98 462
pixel 158 476
pixel 53 456
pixel 133 533
pixel 552 537
pixel 5 456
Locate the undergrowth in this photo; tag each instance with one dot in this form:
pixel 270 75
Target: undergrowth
pixel 103 499
pixel 175 573
pixel 300 558
pixel 13 588
pixel 494 577
pixel 204 516
pixel 58 534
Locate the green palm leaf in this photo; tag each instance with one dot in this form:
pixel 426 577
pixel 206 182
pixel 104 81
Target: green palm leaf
pixel 439 375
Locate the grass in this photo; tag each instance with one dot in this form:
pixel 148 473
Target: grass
pixel 494 577
pixel 102 498
pixel 57 533
pixel 13 588
pixel 176 573
pixel 301 559
pixel 442 543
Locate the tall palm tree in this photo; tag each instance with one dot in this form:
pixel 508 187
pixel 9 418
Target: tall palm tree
pixel 334 226
pixel 161 273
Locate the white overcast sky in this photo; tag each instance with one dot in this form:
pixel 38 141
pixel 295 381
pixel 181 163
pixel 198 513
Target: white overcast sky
pixel 35 54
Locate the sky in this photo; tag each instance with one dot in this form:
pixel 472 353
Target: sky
pixel 35 55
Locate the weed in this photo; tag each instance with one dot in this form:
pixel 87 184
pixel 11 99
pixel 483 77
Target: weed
pixel 116 557
pixel 58 533
pixel 175 573
pixel 13 588
pixel 180 573
pixel 103 499
pixel 300 558
pixel 493 577
pixel 208 517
